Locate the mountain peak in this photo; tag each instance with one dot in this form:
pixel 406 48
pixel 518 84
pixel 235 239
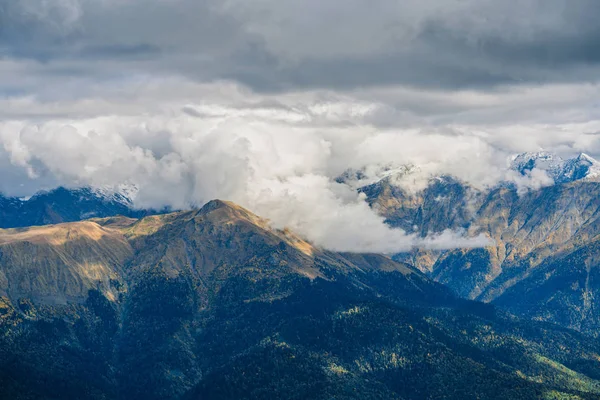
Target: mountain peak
pixel 215 205
pixel 371 174
pixel 560 170
pixel 120 194
pixel 63 204
pixel 224 211
pixel 535 155
pixel 586 158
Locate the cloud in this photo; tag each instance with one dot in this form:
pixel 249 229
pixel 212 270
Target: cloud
pixel 278 155
pixel 337 217
pixel 267 102
pixel 451 239
pixel 281 45
pixel 185 161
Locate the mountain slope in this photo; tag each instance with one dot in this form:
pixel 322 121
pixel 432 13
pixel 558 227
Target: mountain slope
pixel 60 263
pixel 533 231
pixel 213 303
pixel 533 235
pixel 65 205
pixel 565 289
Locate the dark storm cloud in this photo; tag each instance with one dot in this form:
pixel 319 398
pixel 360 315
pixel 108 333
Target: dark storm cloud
pixel 271 45
pixel 117 51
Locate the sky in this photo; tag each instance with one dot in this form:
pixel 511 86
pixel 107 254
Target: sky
pixel 266 102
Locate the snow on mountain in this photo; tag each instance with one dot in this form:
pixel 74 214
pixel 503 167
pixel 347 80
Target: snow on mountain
pixel 581 167
pixel 557 168
pixel 123 193
pixel 532 164
pixel 69 204
pixel 374 173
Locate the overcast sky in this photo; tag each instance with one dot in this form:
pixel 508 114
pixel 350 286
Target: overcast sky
pixel 265 102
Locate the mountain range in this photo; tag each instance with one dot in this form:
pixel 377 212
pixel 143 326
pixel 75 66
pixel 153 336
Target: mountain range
pixel 99 300
pixel 68 205
pixel 542 263
pixel 213 303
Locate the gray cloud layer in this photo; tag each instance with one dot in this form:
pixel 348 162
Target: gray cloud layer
pixel 278 45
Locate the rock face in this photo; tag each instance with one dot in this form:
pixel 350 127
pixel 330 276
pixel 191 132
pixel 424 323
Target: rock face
pixel 213 303
pixel 543 263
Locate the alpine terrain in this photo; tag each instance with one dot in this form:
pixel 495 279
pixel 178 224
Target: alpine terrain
pixel 543 261
pixel 213 303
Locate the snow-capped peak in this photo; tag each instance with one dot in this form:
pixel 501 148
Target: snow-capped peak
pixel 560 170
pixel 585 158
pixel 374 173
pixel 122 193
